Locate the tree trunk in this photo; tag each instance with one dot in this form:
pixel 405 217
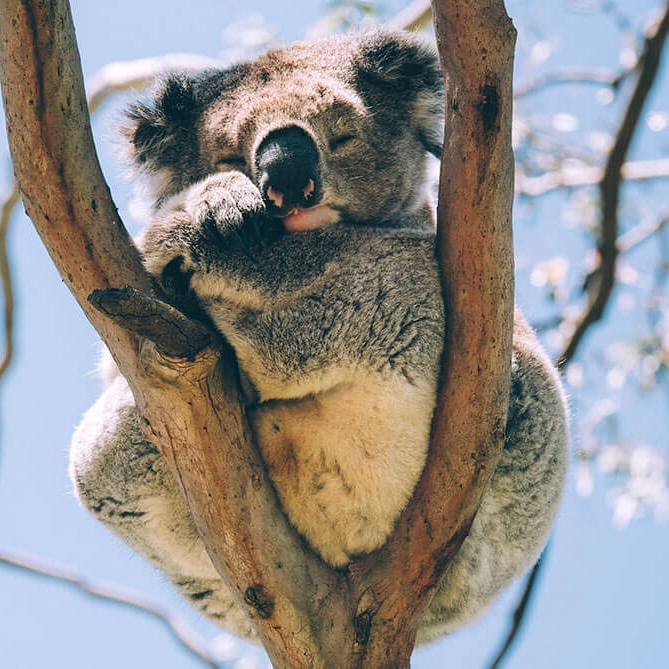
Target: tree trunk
pixel 306 613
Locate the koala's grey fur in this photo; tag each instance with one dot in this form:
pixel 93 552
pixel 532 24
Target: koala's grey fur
pixel 335 315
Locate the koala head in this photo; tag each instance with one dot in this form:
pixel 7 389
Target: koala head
pixel 333 130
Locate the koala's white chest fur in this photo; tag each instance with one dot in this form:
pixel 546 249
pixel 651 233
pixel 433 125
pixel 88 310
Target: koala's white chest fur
pixel 345 461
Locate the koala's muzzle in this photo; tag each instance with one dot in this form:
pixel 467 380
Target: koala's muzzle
pixel 287 164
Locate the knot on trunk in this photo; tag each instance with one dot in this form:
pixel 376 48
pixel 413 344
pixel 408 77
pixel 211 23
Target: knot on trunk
pixel 257 597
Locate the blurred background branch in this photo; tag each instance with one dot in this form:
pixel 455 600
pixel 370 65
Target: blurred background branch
pixel 115 594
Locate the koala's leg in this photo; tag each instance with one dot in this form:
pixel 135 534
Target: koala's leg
pixel 519 507
pixel 124 481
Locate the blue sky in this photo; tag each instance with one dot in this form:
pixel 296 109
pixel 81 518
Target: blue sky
pixel 604 600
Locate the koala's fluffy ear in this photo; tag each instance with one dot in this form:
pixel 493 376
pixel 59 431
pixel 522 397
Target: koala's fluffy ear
pixel 405 73
pixel 161 129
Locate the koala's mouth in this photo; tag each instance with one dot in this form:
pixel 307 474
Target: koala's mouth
pixel 299 220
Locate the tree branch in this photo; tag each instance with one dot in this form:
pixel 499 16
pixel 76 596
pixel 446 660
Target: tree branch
pixel 589 175
pixel 416 16
pixel 640 233
pixel 520 612
pixel 122 75
pixel 114 593
pixel 6 277
pixel 70 205
pixel 596 77
pixel 174 334
pixel 54 159
pixel 610 187
pixel 476 259
pixel 109 80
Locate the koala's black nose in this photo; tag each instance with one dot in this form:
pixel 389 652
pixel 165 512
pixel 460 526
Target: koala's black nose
pixel 288 169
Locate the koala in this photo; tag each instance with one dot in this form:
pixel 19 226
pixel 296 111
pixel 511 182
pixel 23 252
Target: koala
pixel 291 210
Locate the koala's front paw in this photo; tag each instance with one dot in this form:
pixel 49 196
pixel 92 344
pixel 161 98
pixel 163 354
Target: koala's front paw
pixel 228 205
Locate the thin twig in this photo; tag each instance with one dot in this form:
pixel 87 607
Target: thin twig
pixel 610 187
pixel 116 594
pixel 121 76
pixel 521 609
pixel 568 76
pixel 640 233
pixel 588 175
pixel 6 277
pixel 416 16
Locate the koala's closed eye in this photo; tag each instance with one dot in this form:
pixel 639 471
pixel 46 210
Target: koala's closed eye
pixel 231 163
pixel 339 142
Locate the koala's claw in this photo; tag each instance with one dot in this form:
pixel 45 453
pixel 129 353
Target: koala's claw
pixel 229 206
pixel 247 235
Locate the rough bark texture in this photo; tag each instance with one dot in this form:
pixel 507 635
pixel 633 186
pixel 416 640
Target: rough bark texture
pixel 306 614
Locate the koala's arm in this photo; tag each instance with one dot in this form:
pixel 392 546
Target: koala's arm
pixel 214 222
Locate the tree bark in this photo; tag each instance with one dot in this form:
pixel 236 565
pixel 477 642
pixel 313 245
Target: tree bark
pixel 306 614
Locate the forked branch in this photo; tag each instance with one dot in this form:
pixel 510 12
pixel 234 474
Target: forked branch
pixel 306 614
